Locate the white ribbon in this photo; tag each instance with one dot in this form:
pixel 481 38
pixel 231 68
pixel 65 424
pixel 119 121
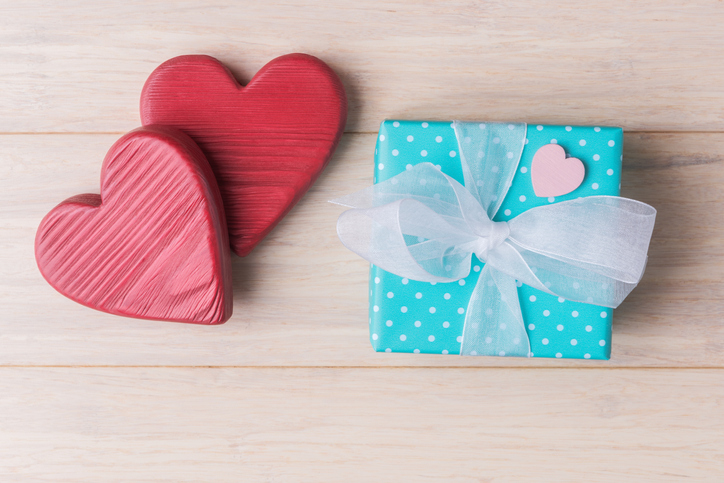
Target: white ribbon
pixel 424 225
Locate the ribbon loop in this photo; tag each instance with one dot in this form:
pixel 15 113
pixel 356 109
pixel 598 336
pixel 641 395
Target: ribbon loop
pixel 424 225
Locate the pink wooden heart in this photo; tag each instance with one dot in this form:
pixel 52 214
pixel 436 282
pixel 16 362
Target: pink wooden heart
pixel 153 244
pixel 553 174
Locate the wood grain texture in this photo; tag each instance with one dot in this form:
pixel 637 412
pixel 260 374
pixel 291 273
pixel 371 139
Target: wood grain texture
pixel 153 244
pixel 79 66
pixel 388 425
pixel 301 297
pixel 267 142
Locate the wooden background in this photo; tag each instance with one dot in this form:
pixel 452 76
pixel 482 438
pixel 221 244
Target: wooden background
pixel 289 389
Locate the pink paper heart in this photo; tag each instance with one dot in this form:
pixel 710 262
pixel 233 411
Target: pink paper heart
pixel 553 174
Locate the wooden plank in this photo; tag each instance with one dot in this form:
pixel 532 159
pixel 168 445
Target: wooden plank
pixel 301 297
pixel 292 425
pixel 78 66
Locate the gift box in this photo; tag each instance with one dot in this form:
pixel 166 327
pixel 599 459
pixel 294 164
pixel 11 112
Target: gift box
pixel 427 317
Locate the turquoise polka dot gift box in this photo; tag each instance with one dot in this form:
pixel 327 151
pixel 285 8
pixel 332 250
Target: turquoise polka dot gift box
pixel 497 239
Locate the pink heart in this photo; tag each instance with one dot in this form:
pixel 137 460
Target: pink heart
pixel 553 174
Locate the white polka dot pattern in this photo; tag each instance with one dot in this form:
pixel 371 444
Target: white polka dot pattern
pixel 428 317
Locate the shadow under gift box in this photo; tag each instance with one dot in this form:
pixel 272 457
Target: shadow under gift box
pixel 423 317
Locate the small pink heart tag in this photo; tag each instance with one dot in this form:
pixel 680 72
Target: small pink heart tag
pixel 553 174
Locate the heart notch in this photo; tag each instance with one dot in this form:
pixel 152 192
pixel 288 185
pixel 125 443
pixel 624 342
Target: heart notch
pixel 553 174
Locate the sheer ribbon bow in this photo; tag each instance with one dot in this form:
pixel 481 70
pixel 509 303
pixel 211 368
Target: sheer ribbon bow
pixel 424 225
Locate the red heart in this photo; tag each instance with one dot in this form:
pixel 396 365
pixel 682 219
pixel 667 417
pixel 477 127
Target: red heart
pixel 153 244
pixel 267 142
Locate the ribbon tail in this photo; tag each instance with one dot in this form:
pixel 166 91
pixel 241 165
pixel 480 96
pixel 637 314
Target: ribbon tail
pixel 494 324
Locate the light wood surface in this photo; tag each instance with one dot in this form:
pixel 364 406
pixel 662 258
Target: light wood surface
pixel 289 389
pixel 387 425
pixel 651 65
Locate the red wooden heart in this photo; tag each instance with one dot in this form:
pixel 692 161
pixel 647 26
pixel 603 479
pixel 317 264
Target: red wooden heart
pixel 266 142
pixel 153 244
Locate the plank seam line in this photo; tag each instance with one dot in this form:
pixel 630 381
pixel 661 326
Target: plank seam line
pixel 70 366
